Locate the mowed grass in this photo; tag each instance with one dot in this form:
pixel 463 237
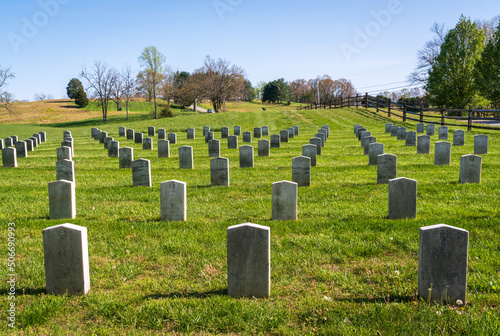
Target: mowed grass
pixel 342 268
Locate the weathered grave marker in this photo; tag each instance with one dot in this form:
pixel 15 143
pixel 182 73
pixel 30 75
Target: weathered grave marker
pixel 214 148
pixel 62 203
pixel 275 141
pixel 301 171
pixel 9 157
pixel 246 156
pixel 126 155
pixel 458 138
pixel 232 142
pixel 311 152
pixel 66 259
pixel 141 173
pixel 249 260
pixel 114 149
pixel 163 149
pixel 284 200
pixel 219 172
pixel 374 150
pixel 186 157
pixel 173 201
pixel 65 170
pixel 423 144
pixel 263 147
pixel 470 169
pixel 442 153
pixel 402 198
pixel 386 168
pixel 481 144
pixel 442 264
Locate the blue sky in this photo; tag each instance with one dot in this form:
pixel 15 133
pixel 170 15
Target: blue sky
pixel 372 43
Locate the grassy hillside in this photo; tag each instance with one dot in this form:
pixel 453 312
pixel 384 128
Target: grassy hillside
pixel 342 268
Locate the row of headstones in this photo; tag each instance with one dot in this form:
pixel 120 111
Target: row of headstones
pixel 12 148
pixel 470 165
pixel 442 267
pixel 62 202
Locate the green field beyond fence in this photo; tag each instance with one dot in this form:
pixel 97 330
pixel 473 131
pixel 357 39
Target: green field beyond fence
pixel 342 268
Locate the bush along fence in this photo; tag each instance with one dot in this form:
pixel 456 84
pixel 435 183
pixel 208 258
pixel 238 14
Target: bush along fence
pixel 470 118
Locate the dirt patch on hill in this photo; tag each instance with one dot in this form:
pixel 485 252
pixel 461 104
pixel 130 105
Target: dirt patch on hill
pixel 45 112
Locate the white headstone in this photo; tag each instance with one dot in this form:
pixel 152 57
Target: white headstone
pixel 301 171
pixel 114 149
pixel 442 153
pixel 386 168
pixel 219 172
pixel 126 155
pixel 62 203
pixel 470 169
pixel 481 144
pixel 66 258
pixel 232 142
pixel 263 147
pixel 173 200
pixel 249 261
pixel 163 149
pixel 402 198
pixel 65 170
pixel 214 148
pixel 9 157
pixel 423 144
pixel 284 200
pixel 141 173
pixel 442 264
pixel 186 157
pixel 246 156
pixel 311 152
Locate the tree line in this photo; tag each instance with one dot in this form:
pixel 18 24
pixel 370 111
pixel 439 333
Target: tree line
pixel 461 66
pixel 217 80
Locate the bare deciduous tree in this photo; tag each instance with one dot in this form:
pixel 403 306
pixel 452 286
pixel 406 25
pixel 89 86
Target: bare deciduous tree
pixel 5 74
pixel 128 85
pixel 101 79
pixel 427 55
pixel 152 61
pixel 6 99
pixel 219 81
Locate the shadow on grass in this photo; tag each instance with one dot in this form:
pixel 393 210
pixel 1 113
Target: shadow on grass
pixel 99 122
pixel 196 295
pixel 25 291
pixel 386 299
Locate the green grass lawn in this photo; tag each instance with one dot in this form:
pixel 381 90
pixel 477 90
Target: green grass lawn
pixel 342 268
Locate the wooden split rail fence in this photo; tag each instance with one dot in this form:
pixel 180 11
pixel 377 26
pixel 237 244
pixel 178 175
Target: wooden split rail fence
pixel 470 118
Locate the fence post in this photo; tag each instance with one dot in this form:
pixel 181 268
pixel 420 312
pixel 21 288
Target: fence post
pixel 469 120
pixel 366 100
pixel 376 103
pixel 421 112
pixel 389 102
pixel 348 102
pixel 405 108
pixel 357 99
pixel 341 102
pixel 442 115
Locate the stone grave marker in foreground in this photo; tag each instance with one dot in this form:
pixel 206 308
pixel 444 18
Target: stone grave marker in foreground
pixel 386 168
pixel 66 259
pixel 173 201
pixel 249 260
pixel 470 169
pixel 219 172
pixel 126 155
pixel 284 200
pixel 141 173
pixel 402 198
pixel 442 264
pixel 62 203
